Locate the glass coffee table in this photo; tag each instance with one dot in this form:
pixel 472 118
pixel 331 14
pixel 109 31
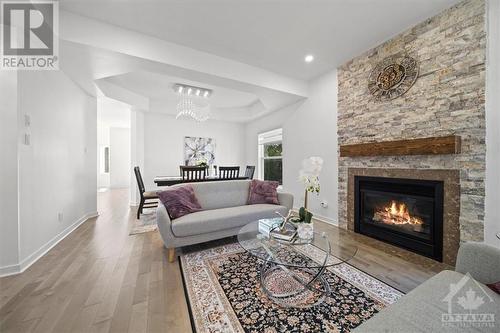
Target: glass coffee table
pixel 292 273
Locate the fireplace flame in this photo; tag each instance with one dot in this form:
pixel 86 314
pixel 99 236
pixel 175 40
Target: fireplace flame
pixel 396 213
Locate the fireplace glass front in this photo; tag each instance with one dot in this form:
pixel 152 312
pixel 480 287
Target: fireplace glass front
pixel 404 212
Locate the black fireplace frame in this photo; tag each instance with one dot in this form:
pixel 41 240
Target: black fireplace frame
pixel 432 248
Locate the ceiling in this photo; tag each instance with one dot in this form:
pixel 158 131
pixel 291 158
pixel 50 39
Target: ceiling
pixel 159 87
pixel 146 85
pixel 275 34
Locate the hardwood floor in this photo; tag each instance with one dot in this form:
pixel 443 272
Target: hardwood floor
pixel 100 279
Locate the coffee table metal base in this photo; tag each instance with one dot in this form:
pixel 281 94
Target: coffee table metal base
pixel 308 280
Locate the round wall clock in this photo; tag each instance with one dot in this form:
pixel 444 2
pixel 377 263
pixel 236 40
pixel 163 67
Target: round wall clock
pixel 392 77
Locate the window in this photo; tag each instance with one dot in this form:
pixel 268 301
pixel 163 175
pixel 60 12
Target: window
pixel 270 155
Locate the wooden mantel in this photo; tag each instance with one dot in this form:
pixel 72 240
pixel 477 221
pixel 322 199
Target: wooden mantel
pixel 422 146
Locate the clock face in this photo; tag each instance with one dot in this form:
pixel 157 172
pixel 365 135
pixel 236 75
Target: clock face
pixel 392 77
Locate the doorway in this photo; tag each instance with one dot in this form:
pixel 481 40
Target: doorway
pixel 113 144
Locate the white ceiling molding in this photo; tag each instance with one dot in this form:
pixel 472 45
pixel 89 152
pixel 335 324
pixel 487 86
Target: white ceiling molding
pixel 159 86
pixel 123 95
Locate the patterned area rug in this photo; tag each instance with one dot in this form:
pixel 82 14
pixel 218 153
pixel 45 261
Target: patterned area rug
pixel 223 288
pixel 146 223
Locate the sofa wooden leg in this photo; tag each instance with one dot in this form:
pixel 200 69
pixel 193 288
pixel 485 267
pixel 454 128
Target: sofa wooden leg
pixel 171 254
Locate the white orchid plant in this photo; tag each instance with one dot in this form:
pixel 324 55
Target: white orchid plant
pixel 309 175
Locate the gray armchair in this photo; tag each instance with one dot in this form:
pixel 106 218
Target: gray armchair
pixel 481 261
pixel 421 309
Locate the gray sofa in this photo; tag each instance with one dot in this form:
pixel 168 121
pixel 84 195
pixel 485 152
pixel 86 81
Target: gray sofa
pixel 422 309
pixel 225 211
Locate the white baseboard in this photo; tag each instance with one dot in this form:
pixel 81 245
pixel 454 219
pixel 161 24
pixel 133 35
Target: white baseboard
pixel 321 218
pixel 32 258
pixel 326 220
pixel 9 270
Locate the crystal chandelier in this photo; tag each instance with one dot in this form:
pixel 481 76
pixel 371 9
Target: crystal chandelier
pixel 193 102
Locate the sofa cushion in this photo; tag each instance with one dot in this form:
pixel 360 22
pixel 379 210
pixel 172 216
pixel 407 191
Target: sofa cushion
pixel 221 194
pixel 179 201
pixel 421 309
pixel 224 218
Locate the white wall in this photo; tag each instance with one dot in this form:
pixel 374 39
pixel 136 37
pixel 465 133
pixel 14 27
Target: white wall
pixel 9 251
pixel 164 143
pixel 57 170
pixel 119 157
pixel 309 129
pixel 492 216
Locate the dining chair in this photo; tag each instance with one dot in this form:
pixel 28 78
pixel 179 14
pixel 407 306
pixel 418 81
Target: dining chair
pixel 146 196
pixel 250 170
pixel 193 172
pixel 229 172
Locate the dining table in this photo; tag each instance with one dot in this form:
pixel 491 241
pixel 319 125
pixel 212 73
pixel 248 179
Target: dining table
pixel 173 180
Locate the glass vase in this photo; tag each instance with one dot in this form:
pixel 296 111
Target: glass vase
pixel 305 231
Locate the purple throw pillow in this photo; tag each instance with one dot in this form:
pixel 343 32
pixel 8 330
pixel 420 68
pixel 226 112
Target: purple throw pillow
pixel 263 192
pixel 179 201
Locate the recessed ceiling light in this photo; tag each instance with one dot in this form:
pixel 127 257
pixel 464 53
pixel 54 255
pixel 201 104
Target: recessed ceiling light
pixel 309 58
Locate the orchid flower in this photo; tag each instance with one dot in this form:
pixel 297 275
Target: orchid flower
pixel 309 174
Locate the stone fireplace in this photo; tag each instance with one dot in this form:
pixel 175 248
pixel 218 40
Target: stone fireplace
pixel 447 99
